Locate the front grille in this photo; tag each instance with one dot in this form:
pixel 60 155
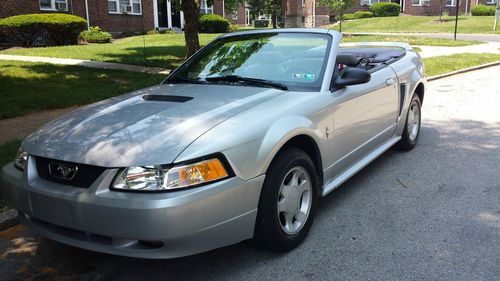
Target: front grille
pixel 85 175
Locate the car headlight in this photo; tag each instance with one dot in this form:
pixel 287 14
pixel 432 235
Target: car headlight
pixel 158 178
pixel 20 160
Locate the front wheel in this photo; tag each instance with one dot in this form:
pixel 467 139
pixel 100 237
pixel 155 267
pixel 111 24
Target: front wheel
pixel 411 131
pixel 288 201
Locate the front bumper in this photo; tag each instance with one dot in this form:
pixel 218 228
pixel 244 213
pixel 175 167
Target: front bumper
pixel 160 225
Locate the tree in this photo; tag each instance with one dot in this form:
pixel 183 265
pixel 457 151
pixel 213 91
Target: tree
pixel 191 9
pixel 268 7
pixel 337 8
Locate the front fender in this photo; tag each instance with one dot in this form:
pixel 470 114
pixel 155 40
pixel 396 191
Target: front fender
pixel 250 148
pixel 280 133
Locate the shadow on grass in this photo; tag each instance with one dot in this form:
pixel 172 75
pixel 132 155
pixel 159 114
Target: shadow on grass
pixel 169 57
pixel 29 87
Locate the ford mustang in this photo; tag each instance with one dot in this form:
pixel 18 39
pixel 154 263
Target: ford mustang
pixel 239 142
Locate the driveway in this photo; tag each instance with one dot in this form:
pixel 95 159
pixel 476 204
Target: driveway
pixel 429 214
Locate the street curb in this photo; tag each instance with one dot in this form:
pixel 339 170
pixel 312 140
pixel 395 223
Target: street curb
pixel 8 219
pixel 464 70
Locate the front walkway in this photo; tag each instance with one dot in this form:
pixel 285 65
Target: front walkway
pixel 88 63
pixel 20 127
pixel 460 36
pixel 434 51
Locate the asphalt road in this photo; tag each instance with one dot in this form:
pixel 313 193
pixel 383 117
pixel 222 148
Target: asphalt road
pixel 429 214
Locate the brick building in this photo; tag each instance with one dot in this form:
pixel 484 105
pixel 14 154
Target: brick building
pixel 120 15
pixel 302 13
pixel 435 7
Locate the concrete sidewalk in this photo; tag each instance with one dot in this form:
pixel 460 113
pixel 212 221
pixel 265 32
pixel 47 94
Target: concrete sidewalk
pixel 460 36
pixel 88 63
pixel 434 51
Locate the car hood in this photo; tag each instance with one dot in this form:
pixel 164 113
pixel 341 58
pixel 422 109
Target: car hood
pixel 147 127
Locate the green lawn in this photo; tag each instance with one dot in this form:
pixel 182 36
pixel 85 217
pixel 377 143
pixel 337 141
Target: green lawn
pixel 162 50
pixel 29 87
pixel 444 64
pixel 466 24
pixel 8 151
pixel 412 40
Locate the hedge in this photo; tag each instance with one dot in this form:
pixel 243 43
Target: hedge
pixel 345 17
pixel 95 35
pixel 362 15
pixel 212 23
pixel 61 29
pixel 385 9
pixel 483 10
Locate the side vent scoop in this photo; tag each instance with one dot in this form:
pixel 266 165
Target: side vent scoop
pixel 166 98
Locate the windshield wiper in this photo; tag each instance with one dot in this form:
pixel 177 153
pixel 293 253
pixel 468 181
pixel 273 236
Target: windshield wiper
pixel 185 80
pixel 254 81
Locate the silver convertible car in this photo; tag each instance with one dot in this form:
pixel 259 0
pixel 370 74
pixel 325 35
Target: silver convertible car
pixel 239 142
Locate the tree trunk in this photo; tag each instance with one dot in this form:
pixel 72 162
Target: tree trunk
pixel 340 23
pixel 274 18
pixel 191 9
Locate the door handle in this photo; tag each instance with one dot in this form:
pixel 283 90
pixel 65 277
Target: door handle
pixel 389 81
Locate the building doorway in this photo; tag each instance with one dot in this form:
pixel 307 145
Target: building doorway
pixel 162 13
pixel 176 15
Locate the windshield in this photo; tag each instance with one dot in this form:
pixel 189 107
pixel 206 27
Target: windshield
pixel 295 60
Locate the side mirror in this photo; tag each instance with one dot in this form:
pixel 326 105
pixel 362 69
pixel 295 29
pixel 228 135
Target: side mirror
pixel 352 76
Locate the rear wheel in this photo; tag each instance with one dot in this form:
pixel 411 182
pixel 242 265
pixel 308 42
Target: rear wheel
pixel 411 131
pixel 288 201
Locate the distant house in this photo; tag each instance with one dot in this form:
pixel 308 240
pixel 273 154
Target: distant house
pixel 120 15
pixel 301 13
pixel 434 7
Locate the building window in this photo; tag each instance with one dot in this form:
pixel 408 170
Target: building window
pixel 303 2
pixel 491 2
pixel 205 9
pixel 132 7
pixel 368 2
pixel 451 3
pixel 54 5
pixel 234 16
pixel 420 2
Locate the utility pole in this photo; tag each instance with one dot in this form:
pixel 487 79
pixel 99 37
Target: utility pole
pixel 497 15
pixel 456 20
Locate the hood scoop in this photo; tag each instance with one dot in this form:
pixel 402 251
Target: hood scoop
pixel 166 98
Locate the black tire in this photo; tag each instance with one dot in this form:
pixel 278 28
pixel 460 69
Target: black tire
pixel 268 229
pixel 407 142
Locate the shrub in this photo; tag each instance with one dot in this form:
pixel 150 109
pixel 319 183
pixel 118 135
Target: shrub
pixel 152 32
pixel 95 35
pixel 385 9
pixel 212 23
pixel 345 17
pixel 233 28
pixel 363 15
pixel 61 29
pixel 483 10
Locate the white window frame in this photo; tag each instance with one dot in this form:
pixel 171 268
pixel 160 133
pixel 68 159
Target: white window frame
pixel 303 3
pixel 205 8
pixel 453 3
pixel 368 2
pixel 131 2
pixel 421 3
pixel 53 5
pixel 491 2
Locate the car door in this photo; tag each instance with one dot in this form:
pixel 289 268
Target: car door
pixel 364 118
